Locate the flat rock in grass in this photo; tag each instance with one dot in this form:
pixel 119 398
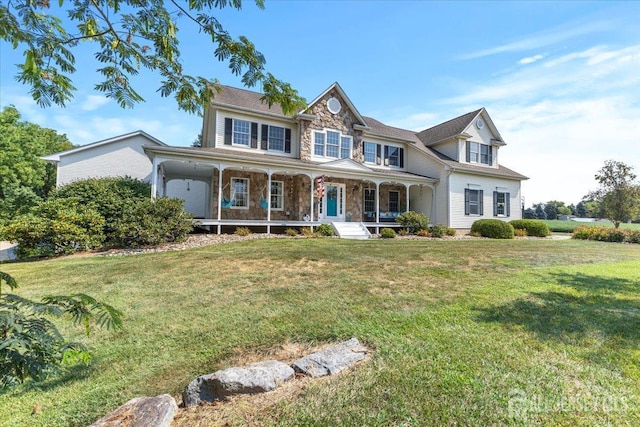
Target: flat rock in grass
pixel 199 390
pixel 255 378
pixel 332 360
pixel 156 411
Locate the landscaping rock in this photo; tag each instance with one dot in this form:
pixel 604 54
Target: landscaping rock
pixel 199 390
pixel 255 378
pixel 156 411
pixel 331 360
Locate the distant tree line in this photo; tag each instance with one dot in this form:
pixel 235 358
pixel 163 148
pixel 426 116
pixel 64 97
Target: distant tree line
pixel 553 209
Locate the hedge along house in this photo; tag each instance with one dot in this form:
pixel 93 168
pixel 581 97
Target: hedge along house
pixel 329 164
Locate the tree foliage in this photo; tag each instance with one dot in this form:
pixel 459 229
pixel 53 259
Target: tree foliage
pixel 127 36
pixel 618 194
pixel 31 345
pixel 24 177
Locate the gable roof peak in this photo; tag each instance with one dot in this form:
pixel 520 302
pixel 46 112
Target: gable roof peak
pixel 336 86
pixel 448 129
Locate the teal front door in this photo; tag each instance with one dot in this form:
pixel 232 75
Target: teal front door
pixel 332 200
pixel 333 203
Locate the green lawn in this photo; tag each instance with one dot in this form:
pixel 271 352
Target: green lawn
pixel 466 332
pixel 568 226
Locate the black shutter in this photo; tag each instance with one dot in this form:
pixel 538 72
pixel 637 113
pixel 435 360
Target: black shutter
pixel 401 154
pixel 495 203
pixel 378 154
pixel 386 155
pixel 466 201
pixel 228 131
pixel 481 201
pixel 507 201
pixel 254 135
pixel 468 152
pixel 264 141
pixel 287 140
pixel 490 155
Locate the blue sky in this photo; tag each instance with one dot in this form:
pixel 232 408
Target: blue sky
pixel 561 80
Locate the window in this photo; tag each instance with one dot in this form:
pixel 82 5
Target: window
pixel 331 144
pixel 394 199
pixel 369 152
pixel 369 200
pixel 277 195
pixel 473 202
pixel 479 153
pixel 241 132
pixel 501 202
pixel 394 156
pixel 276 138
pixel 240 192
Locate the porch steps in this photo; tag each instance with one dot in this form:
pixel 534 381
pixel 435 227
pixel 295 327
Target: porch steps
pixel 351 230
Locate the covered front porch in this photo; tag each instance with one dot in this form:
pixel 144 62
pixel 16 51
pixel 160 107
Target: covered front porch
pixel 224 192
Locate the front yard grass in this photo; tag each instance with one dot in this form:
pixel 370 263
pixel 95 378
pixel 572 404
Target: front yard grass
pixel 466 332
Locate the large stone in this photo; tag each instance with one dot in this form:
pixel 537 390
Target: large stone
pixel 156 411
pixel 332 360
pixel 199 390
pixel 255 378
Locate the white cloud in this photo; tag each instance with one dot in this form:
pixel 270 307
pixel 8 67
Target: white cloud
pixel 93 102
pixel 543 39
pixel 530 59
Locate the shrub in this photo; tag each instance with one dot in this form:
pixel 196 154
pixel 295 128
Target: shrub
pixel 633 236
pixel 493 228
pixel 533 227
pixel 110 197
pixel 55 227
pixel 307 232
pixel 423 233
pixel 324 230
pixel 292 232
pixel 451 231
pixel 151 222
pixel 387 233
pixel 438 230
pixel 520 232
pixel 602 234
pixel 242 231
pixel 402 232
pixel 413 221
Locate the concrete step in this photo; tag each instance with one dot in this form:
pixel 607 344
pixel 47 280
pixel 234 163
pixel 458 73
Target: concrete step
pixel 351 230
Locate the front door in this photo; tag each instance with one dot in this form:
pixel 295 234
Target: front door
pixel 333 202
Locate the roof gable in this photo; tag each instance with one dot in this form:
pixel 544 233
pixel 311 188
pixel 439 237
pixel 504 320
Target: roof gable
pixel 448 129
pixel 55 157
pixel 346 164
pixel 344 97
pixel 482 114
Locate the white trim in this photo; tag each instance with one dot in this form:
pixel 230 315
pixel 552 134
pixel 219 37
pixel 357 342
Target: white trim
pixel 341 202
pixel 324 132
pixel 281 208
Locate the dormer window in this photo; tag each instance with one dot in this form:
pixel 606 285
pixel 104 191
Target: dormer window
pixel 479 153
pixel 331 144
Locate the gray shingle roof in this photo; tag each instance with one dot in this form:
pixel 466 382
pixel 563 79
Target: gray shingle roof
pixel 235 97
pixel 447 129
pixel 380 129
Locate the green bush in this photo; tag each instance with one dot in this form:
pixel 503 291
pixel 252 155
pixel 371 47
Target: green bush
pixel 438 230
pixel 413 221
pixel 402 232
pixel 602 234
pixel 492 228
pixel 242 231
pixel 387 233
pixel 55 227
pixel 292 232
pixel 533 227
pixel 110 197
pixel 151 222
pixel 451 231
pixel 633 236
pixel 324 230
pixel 307 232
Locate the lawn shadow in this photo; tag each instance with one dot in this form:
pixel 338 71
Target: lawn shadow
pixel 67 375
pixel 603 308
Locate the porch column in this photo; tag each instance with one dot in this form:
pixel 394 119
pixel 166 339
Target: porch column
pixel 154 178
pixel 377 207
pixel 220 169
pixel 269 173
pixel 406 186
pixel 313 178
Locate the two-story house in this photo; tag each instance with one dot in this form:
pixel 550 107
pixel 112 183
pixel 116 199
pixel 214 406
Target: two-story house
pixel 328 163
